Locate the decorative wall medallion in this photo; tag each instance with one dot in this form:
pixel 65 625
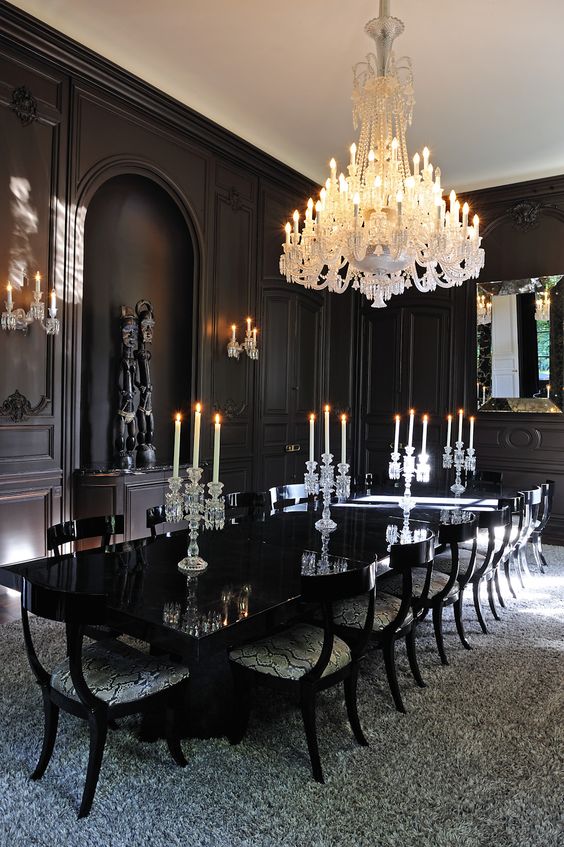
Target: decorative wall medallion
pixel 520 438
pixel 525 215
pixel 234 199
pixel 24 104
pixel 231 409
pixel 18 408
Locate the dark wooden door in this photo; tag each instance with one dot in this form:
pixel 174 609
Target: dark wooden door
pixel 292 378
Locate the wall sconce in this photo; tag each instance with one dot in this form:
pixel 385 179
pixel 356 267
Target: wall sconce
pixel 483 310
pixel 542 305
pixel 19 319
pixel 249 345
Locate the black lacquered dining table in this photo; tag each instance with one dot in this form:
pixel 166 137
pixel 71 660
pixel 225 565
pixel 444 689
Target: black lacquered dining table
pixel 250 587
pixel 252 582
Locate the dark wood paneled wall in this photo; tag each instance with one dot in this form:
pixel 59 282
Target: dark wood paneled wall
pixel 95 125
pixel 420 351
pixel 94 122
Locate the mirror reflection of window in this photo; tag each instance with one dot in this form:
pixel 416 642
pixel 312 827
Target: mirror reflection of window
pixel 520 340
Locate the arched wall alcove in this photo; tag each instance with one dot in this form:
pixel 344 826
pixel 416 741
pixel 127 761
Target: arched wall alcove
pixel 136 246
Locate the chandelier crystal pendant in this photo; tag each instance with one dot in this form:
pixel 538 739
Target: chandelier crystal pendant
pixel 385 226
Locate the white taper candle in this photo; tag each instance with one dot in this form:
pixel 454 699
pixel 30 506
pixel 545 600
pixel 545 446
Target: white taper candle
pixel 176 451
pixel 216 441
pixel 197 425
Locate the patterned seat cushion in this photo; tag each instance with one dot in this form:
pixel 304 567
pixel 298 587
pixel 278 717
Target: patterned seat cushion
pixel 118 673
pixel 292 653
pixel 419 575
pixel 353 612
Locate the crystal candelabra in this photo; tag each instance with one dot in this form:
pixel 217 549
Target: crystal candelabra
pixel 249 345
pixel 462 460
pixel 384 226
pixel 408 469
pixel 324 481
pixel 193 505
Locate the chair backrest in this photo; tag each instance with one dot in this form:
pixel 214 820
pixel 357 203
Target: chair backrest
pixel 282 496
pixel 404 557
pixel 156 516
pixel 455 534
pixel 82 528
pixel 532 498
pixel 327 586
pixel 248 504
pixel 547 489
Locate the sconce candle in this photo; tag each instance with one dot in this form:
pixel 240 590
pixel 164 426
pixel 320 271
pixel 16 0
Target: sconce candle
pixel 233 332
pixel 460 418
pixel 197 424
pixel 548 390
pixel 327 429
pixel 471 438
pixel 344 439
pixel 53 303
pixel 9 302
pixel 311 438
pixel 176 451
pixel 216 441
pixel 449 430
pixel 483 394
pixel 38 282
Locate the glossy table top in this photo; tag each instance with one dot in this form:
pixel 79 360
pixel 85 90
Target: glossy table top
pixel 253 575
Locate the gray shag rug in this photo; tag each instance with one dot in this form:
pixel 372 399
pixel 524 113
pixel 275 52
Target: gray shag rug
pixel 477 761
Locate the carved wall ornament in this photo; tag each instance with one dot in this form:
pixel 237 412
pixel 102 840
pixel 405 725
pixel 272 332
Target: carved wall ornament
pixel 18 408
pixel 231 409
pixel 234 199
pixel 525 214
pixel 24 104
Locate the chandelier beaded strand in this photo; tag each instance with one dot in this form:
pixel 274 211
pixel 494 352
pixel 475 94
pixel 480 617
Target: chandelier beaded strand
pixel 384 227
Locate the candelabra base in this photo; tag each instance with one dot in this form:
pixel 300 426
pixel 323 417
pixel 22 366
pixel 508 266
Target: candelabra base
pixel 192 565
pixel 326 525
pixel 458 489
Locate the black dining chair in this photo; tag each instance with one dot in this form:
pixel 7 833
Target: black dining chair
pixel 98 683
pixel 393 615
pixel 447 587
pixel 282 496
pixel 532 499
pixel 156 519
pixel 249 505
pixel 545 511
pixel 81 529
pixel 308 658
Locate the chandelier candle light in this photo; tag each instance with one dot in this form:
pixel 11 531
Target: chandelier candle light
pixel 193 504
pixel 385 226
pixel 408 469
pixel 461 458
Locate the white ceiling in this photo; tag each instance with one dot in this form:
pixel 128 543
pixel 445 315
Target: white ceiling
pixel 488 73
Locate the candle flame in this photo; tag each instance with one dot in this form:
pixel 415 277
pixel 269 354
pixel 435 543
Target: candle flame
pixel 38 277
pixel 9 286
pixel 397 418
pixel 312 417
pixel 233 327
pixel 178 416
pixel 217 419
pixel 449 417
pixel 198 407
pixel 425 418
pixel 461 411
pixel 327 408
pixel 412 411
pixel 343 418
pixel 472 419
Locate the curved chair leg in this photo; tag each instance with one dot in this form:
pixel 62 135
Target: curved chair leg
pixel 517 560
pixel 541 554
pixel 307 702
pixel 241 703
pixel 523 560
pixel 476 593
pixel 351 703
pixel 390 664
pixel 536 555
pixel 49 736
pixel 412 656
pixel 498 589
pixel 173 730
pixel 459 623
pixel 438 627
pixel 491 600
pixel 507 568
pixel 98 729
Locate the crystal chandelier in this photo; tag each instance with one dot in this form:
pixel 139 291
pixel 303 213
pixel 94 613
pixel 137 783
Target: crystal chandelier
pixel 385 226
pixel 542 305
pixel 483 310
